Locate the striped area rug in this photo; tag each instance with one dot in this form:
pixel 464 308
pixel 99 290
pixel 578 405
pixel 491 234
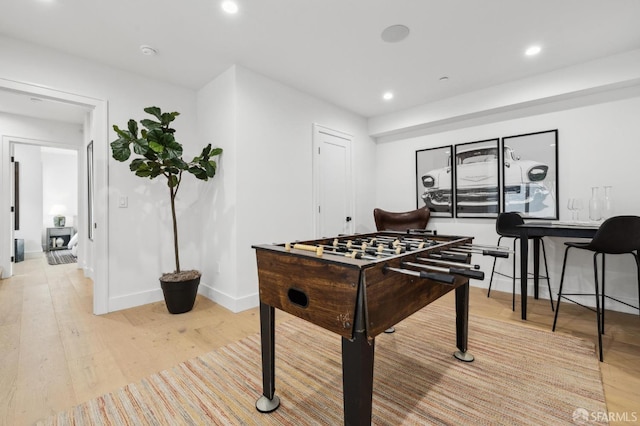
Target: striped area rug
pixel 60 257
pixel 520 376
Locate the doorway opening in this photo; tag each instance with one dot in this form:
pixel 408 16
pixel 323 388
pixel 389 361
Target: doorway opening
pixel 45 197
pixel 94 128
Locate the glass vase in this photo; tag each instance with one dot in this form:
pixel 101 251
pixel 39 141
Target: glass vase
pixel 594 205
pixel 607 203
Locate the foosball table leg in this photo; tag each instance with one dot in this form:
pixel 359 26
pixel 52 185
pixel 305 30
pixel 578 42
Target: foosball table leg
pixel 268 402
pixel 462 323
pixel 357 379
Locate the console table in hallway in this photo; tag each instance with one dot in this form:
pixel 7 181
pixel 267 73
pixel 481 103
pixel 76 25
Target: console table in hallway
pixel 59 232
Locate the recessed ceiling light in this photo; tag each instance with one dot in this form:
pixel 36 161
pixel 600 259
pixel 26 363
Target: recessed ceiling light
pixel 148 50
pixel 395 33
pixel 387 96
pixel 533 50
pixel 230 6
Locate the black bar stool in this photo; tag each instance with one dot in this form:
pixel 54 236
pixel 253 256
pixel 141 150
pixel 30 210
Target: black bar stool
pixel 507 227
pixel 617 235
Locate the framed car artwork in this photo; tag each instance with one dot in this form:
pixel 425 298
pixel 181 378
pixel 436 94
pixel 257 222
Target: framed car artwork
pixel 477 169
pixel 530 174
pixel 434 180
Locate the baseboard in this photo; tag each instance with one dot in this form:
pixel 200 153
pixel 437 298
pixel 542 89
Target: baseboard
pixel 132 300
pixel 230 303
pixel 33 254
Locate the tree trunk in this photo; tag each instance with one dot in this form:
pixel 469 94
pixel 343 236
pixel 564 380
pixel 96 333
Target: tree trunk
pixel 172 191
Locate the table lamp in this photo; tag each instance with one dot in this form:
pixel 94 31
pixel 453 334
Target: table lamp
pixel 58 211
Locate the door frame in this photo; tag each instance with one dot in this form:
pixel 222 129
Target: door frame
pixel 95 129
pixel 317 179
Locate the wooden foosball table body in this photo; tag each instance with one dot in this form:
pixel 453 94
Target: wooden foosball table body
pixel 357 298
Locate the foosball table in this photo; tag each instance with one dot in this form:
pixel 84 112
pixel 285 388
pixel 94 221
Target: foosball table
pixel 358 287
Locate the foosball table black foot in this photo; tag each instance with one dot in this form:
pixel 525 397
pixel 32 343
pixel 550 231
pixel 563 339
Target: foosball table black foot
pixel 463 356
pixel 266 405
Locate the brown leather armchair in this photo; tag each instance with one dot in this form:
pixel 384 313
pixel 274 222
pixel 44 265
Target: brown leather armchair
pixel 392 221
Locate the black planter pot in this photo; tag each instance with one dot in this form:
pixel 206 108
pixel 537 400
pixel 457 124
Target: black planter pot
pixel 180 296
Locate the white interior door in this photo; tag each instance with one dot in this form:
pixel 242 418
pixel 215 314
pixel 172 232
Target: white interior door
pixel 333 200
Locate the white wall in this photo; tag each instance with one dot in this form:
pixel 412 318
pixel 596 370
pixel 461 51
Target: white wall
pixel 217 123
pixel 140 247
pixel 59 185
pixel 598 145
pixel 271 156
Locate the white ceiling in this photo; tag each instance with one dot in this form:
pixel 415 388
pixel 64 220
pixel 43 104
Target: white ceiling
pixel 332 49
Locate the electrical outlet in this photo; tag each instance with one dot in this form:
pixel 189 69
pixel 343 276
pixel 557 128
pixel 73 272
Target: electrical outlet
pixel 123 202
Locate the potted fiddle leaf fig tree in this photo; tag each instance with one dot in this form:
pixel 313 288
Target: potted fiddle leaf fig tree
pixel 157 153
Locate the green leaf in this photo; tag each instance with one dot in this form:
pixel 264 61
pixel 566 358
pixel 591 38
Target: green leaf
pixel 141 146
pixel 122 133
pixel 151 156
pixel 215 151
pixel 173 149
pixel 206 152
pixel 155 111
pixel 142 169
pixel 120 149
pixel 133 129
pixel 150 124
pixel 136 164
pixel 172 181
pixel 198 172
pixel 168 117
pixel 156 147
pixel 155 135
pixel 210 167
pixel 156 169
pixel 177 162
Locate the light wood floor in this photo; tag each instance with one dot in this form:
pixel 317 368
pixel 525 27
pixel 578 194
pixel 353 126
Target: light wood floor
pixel 54 353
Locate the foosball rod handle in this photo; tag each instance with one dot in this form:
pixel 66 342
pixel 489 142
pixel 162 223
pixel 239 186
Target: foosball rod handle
pixel 495 253
pixel 454 257
pixel 306 247
pixel 463 272
pixel 434 276
pixel 438 261
pixel 468 273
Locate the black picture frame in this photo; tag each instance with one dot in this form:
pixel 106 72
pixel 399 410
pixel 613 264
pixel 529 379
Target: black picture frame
pixel 477 179
pixel 434 180
pixel 530 174
pixel 90 191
